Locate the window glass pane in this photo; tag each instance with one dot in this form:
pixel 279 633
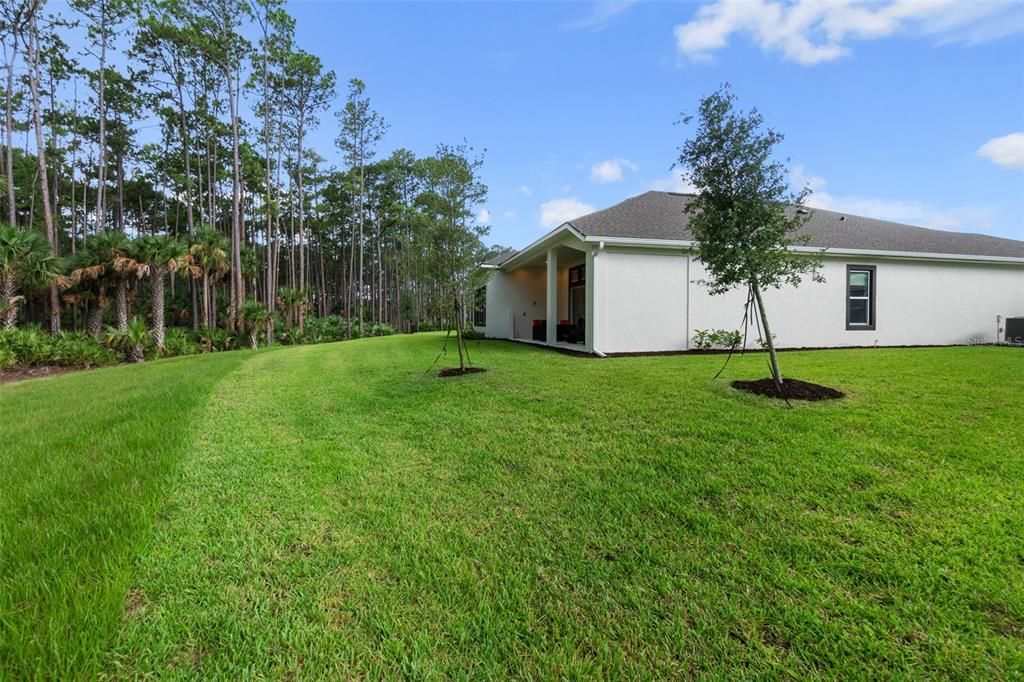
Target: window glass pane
pixel 860 283
pixel 859 311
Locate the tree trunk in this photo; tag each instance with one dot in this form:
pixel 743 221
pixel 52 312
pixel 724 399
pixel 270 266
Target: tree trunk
pixel 95 323
pixel 44 183
pixel 121 303
pixel 101 199
pixel 773 358
pixel 458 337
pixel 302 226
pixel 237 284
pixel 6 298
pixel 254 338
pixel 12 215
pixel 157 289
pixel 206 298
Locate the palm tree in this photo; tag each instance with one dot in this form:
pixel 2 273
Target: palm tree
pixel 127 267
pixel 291 300
pixel 209 252
pixel 26 263
pixel 131 339
pixel 93 266
pixel 159 255
pixel 254 316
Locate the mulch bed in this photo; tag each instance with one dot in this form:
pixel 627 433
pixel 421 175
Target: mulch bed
pixel 793 389
pixel 10 376
pixel 456 372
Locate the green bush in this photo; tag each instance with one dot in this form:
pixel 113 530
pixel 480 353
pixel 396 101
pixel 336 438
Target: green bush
pixel 178 341
pixel 212 339
pixel 31 347
pixel 380 329
pixel 79 349
pixel 706 339
pixel 324 329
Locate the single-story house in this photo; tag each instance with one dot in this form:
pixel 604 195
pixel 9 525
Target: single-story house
pixel 627 279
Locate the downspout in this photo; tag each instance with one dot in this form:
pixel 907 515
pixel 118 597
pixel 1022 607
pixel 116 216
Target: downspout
pixel 686 342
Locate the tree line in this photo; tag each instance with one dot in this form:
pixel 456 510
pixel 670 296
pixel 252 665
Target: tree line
pixel 221 211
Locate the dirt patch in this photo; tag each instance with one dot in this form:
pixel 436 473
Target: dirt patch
pixel 792 389
pixel 10 376
pixel 456 372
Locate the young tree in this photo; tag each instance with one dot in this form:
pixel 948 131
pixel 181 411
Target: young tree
pixel 361 129
pixel 452 192
pixel 744 217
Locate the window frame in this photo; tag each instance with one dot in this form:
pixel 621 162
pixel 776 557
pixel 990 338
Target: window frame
pixel 872 307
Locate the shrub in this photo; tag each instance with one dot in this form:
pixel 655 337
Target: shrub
pixel 78 349
pixel 211 339
pixel 706 339
pixel 6 358
pixel 31 347
pixel 380 329
pixel 324 329
pixel 178 341
pixel 472 334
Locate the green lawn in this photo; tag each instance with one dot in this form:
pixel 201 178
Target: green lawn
pixel 329 511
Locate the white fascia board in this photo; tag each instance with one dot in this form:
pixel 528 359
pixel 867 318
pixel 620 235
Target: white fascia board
pixel 530 250
pixel 908 255
pixel 821 251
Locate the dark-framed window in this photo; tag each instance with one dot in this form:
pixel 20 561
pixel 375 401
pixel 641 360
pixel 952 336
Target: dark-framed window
pixel 578 276
pixel 480 307
pixel 860 297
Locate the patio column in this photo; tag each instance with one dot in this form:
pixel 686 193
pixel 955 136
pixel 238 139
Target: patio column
pixel 552 307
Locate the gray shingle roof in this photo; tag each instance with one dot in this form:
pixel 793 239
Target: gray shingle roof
pixel 661 215
pixel 500 258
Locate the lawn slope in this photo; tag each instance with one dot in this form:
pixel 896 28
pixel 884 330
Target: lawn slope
pixel 329 511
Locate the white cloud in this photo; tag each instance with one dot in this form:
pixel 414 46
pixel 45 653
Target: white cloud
pixel 508 215
pixel 610 170
pixel 674 182
pixel 557 211
pixel 1006 151
pixel 601 14
pixel 812 31
pixel 523 189
pixel 483 217
pixel 963 218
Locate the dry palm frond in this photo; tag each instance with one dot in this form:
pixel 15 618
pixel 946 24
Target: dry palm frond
pixel 91 272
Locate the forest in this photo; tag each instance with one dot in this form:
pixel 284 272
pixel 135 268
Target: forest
pixel 158 179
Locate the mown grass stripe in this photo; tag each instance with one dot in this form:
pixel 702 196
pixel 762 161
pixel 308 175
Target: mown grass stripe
pixel 85 460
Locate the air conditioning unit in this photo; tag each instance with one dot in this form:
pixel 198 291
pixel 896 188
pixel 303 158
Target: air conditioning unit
pixel 1015 331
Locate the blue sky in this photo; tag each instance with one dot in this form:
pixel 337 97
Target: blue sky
pixel 885 106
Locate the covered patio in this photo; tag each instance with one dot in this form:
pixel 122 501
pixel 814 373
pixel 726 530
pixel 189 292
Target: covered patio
pixel 544 295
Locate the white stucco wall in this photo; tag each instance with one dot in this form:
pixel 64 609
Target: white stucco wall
pixel 917 303
pixel 641 301
pixel 514 300
pixel 648 300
